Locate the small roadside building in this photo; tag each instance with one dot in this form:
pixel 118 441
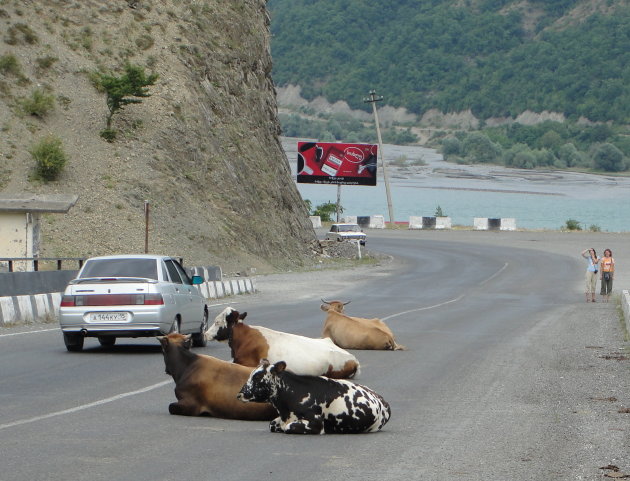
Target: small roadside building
pixel 20 217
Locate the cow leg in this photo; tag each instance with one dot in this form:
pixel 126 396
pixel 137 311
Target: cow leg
pixel 275 425
pixel 182 409
pixel 305 427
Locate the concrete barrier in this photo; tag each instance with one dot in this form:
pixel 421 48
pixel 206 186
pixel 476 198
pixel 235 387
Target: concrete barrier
pixel 36 307
pixel 485 223
pixel 625 306
pixel 29 308
pixel 316 221
pixel 430 222
pixel 209 273
pixel 34 282
pixel 366 221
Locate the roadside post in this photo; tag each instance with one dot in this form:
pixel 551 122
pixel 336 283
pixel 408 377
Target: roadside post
pixel 373 98
pixel 146 226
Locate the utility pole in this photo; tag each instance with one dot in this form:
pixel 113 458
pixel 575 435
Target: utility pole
pixel 338 201
pixel 373 98
pixel 146 226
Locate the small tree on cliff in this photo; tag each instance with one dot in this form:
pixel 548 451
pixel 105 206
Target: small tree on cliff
pixel 127 89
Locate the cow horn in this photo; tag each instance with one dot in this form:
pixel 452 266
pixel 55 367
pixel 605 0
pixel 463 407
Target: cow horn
pixel 345 303
pixel 325 301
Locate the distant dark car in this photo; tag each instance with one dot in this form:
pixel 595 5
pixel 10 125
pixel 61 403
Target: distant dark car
pixel 341 232
pixel 132 296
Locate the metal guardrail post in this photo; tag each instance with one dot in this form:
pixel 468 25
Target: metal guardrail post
pixel 36 260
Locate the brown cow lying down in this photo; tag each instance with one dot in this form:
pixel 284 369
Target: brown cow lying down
pixel 205 385
pixel 356 332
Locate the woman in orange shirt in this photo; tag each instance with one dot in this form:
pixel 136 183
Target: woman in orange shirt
pixel 607 270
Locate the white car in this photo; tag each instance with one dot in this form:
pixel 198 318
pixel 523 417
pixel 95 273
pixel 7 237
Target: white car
pixel 132 296
pixel 341 232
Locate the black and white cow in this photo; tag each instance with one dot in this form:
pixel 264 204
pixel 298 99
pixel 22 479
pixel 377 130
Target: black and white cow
pixel 314 404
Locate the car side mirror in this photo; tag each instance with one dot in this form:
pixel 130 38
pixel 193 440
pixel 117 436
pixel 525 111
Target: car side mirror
pixel 196 280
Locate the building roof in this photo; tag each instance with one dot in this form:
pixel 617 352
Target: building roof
pixel 60 203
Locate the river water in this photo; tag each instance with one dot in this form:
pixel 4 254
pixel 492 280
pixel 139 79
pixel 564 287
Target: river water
pixel 535 199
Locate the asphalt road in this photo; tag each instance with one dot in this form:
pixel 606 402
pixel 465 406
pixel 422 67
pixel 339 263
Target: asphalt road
pixel 504 377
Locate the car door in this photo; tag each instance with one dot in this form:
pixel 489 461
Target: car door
pixel 180 294
pixel 191 299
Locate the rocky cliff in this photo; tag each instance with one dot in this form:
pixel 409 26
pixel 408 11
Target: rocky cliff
pixel 202 149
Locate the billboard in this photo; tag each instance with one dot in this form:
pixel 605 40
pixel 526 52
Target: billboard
pixel 336 163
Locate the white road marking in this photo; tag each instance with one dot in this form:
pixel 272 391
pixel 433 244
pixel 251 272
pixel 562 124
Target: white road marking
pixel 494 275
pixel 423 308
pixel 28 332
pixel 84 406
pixel 434 306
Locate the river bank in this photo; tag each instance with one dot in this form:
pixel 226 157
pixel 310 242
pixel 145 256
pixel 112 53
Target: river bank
pixel 421 181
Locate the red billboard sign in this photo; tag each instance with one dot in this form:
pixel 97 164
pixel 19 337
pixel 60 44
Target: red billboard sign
pixel 335 163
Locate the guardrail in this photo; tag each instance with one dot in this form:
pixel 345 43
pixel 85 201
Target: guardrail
pixel 34 261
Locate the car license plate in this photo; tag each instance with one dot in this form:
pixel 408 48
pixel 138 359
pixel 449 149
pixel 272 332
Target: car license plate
pixel 109 316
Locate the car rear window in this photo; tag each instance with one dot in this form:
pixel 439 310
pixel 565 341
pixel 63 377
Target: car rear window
pixel 146 268
pixel 349 228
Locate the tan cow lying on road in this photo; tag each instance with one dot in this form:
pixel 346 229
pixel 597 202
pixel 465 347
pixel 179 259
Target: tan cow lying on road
pixel 356 332
pixel 205 385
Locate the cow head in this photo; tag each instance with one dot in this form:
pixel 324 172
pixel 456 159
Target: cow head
pixel 333 306
pixel 262 384
pixel 175 340
pixel 219 330
pixel 172 346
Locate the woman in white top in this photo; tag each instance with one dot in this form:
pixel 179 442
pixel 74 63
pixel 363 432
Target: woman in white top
pixel 591 273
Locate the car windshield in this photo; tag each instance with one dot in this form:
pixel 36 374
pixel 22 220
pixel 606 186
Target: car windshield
pixel 146 268
pixel 349 228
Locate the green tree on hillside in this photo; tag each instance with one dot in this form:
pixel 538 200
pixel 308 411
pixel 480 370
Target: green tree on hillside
pixel 569 155
pixel 477 147
pixel 608 157
pixel 129 88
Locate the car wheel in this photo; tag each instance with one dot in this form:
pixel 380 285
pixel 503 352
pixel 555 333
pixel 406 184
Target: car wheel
pixel 199 338
pixel 73 342
pixel 107 341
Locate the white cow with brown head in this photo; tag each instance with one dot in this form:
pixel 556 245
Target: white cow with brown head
pixel 303 355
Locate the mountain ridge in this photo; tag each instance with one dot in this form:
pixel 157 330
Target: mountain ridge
pixel 496 58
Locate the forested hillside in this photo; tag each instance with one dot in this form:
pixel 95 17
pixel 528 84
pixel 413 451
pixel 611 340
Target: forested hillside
pixel 498 58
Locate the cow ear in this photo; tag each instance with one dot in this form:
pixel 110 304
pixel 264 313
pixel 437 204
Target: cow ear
pixel 163 340
pixel 242 316
pixel 279 367
pixel 187 341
